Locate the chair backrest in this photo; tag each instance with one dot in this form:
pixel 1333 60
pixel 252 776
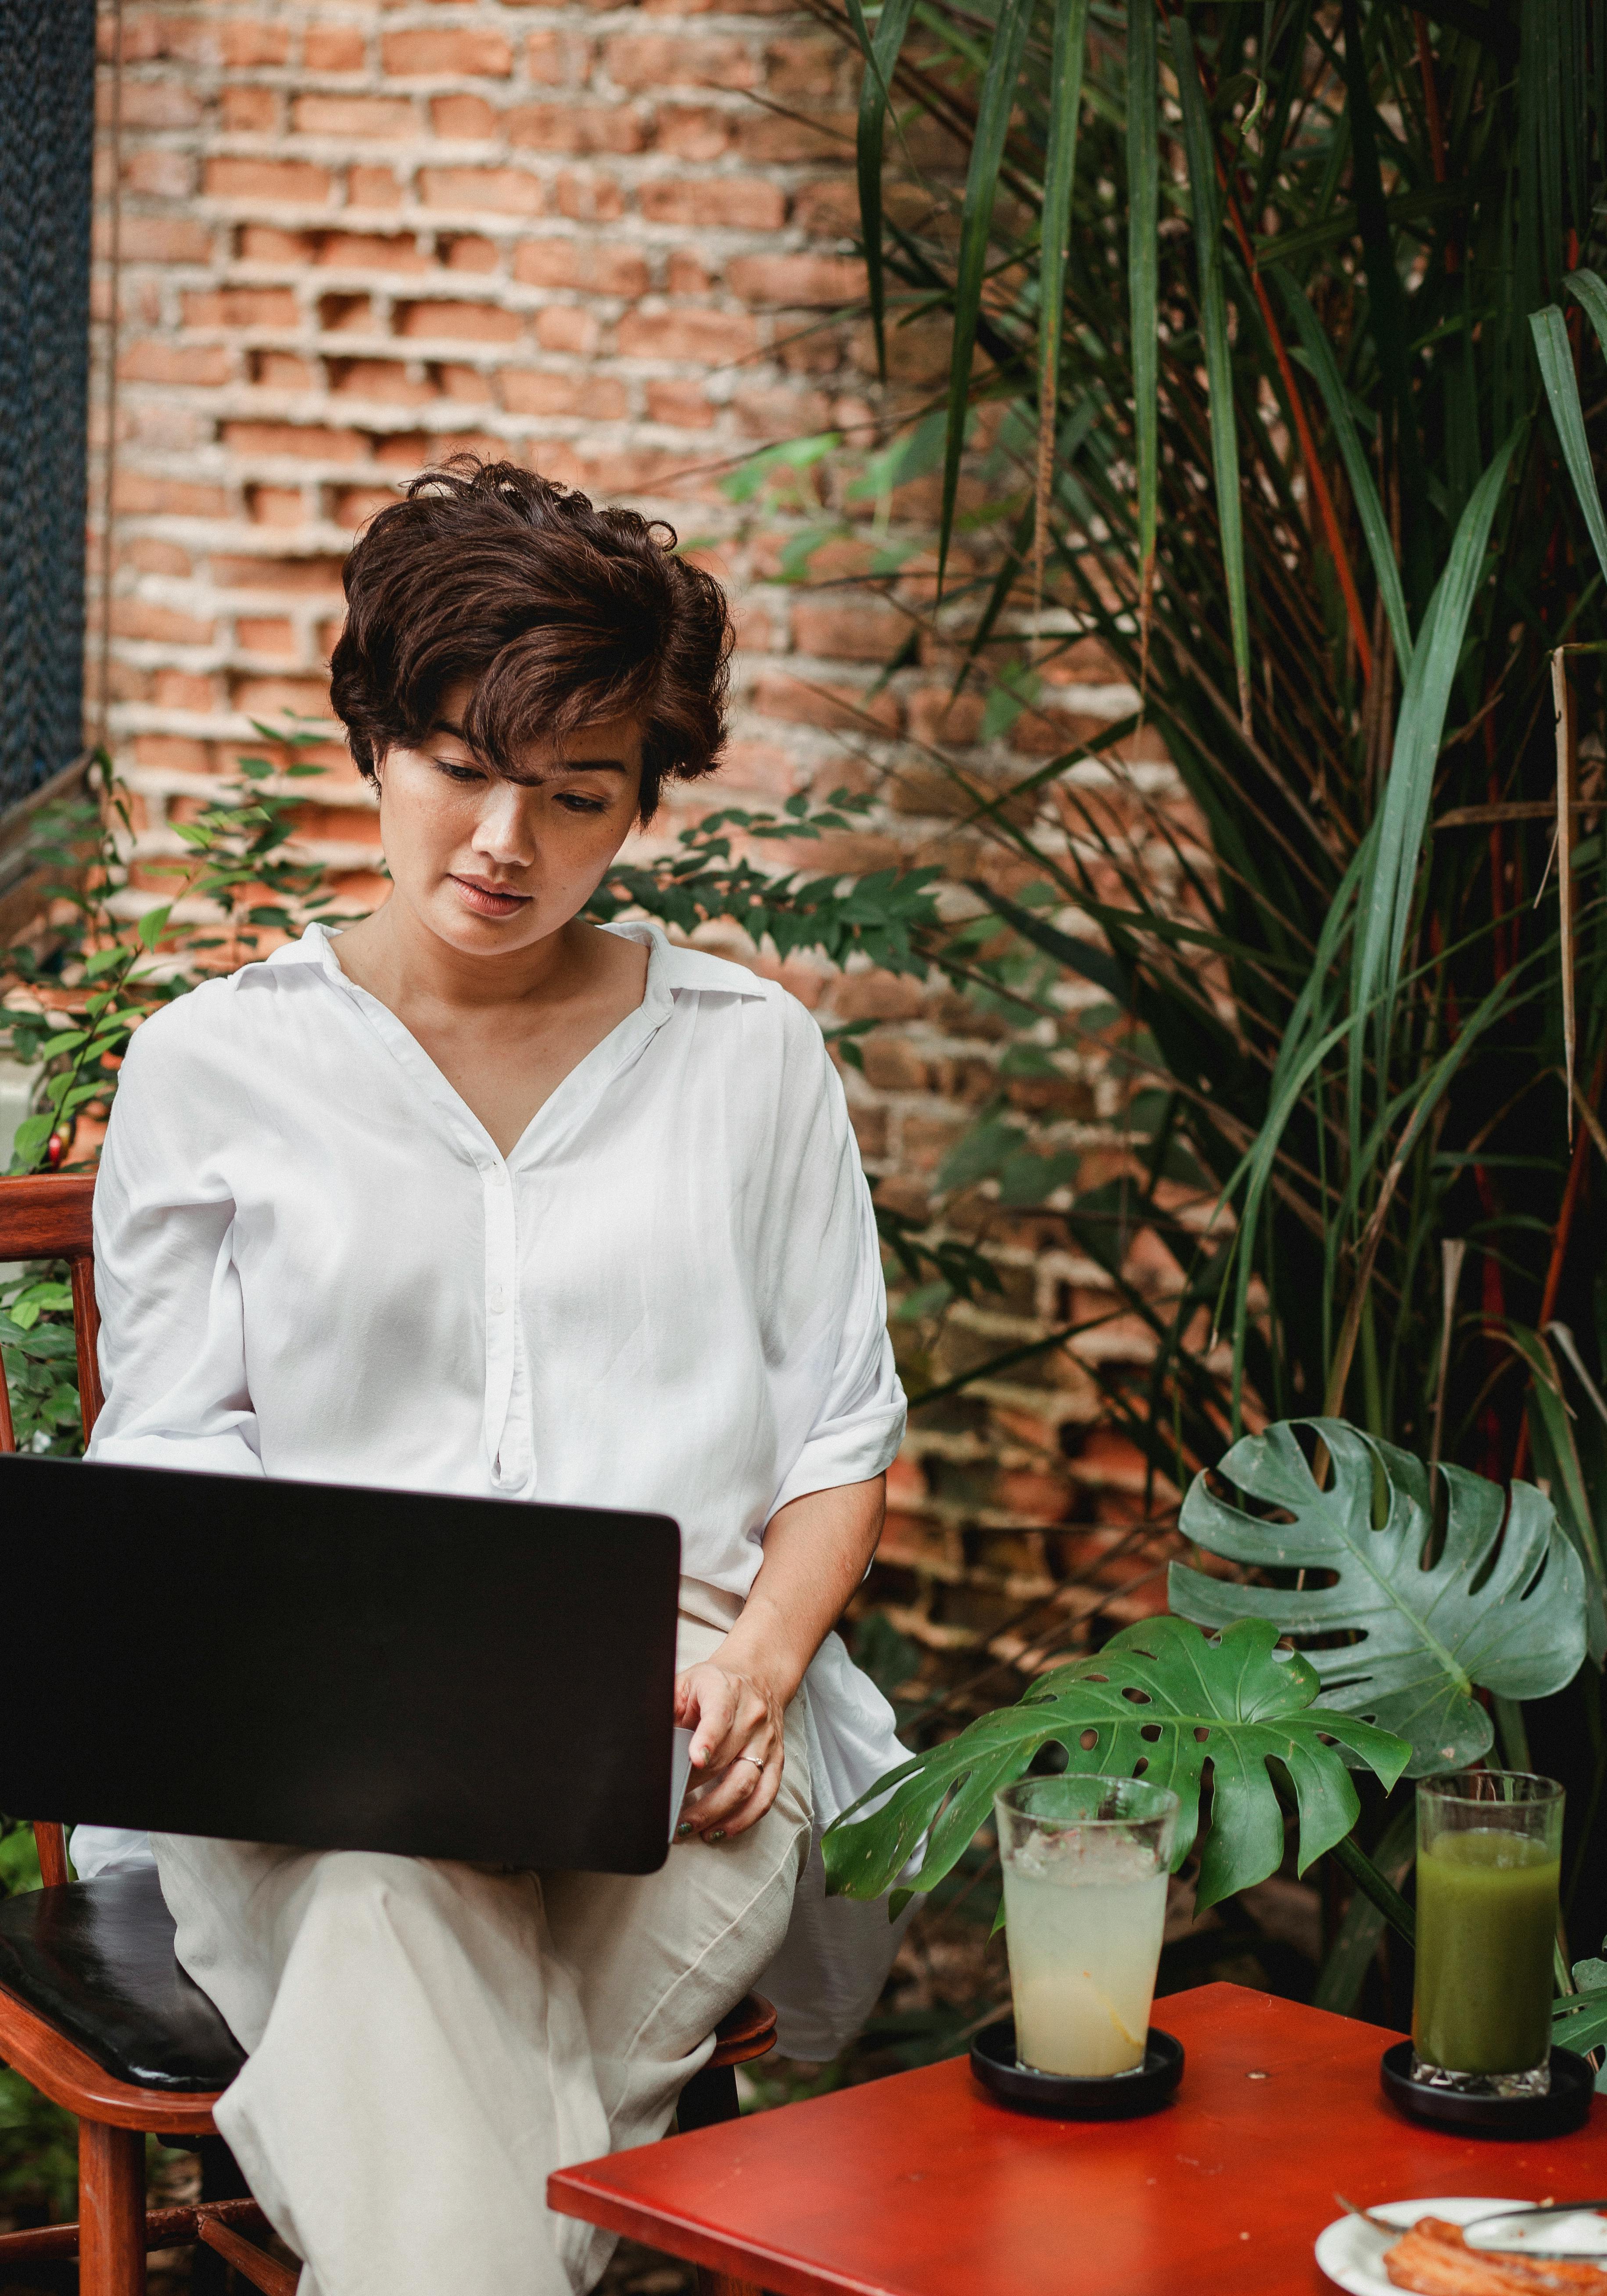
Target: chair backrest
pixel 49 1219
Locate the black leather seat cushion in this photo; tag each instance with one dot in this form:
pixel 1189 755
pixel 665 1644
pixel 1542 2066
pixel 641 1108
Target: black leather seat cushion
pixel 95 1961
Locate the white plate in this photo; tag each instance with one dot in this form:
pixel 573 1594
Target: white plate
pixel 1351 2251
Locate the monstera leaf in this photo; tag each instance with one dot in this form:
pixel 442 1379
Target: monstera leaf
pixel 1500 1609
pixel 1579 2021
pixel 1161 1700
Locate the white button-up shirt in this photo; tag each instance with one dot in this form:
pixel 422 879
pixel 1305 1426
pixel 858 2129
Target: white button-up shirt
pixel 313 1262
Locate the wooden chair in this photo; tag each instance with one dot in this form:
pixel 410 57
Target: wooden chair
pixel 94 2009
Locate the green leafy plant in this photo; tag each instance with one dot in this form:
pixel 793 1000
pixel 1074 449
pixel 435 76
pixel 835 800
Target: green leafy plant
pixel 40 1363
pixel 1275 378
pixel 1162 1700
pixel 1580 2018
pixel 1274 355
pixel 1424 1615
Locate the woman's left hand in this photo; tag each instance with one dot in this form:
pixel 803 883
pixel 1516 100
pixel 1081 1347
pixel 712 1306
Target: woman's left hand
pixel 816 1549
pixel 737 1752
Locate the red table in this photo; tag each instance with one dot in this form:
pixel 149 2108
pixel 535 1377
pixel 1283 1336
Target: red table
pixel 920 2184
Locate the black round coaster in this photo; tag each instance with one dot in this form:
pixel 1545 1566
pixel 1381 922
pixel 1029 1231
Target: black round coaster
pixel 1566 2109
pixel 1066 2096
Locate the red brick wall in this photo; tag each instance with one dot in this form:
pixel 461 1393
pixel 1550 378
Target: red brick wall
pixel 608 243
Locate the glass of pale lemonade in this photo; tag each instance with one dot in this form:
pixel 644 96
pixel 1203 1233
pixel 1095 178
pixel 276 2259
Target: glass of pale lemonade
pixel 1490 1849
pixel 1086 1863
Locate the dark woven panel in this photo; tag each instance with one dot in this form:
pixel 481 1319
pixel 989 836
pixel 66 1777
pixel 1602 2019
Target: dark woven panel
pixel 46 147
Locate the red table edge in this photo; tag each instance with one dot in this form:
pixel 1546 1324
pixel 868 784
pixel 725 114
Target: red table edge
pixel 745 2262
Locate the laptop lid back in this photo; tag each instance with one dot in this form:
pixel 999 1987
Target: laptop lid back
pixel 338 1667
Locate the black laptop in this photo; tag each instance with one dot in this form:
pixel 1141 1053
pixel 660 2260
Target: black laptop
pixel 336 1668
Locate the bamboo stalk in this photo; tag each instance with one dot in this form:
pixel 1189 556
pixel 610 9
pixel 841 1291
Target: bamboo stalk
pixel 1315 478
pixel 1567 780
pixel 1349 1330
pixel 1560 1241
pixel 1453 1252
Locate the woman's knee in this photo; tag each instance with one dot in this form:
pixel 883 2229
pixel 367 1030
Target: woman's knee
pixel 366 1886
pixel 376 1890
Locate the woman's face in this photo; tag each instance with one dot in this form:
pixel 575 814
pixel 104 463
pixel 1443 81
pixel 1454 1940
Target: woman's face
pixel 492 866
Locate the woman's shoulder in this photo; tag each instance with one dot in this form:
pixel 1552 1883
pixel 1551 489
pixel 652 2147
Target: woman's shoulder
pixel 761 1050
pixel 230 1010
pixel 174 1030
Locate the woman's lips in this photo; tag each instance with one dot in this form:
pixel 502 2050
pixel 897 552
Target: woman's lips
pixel 490 901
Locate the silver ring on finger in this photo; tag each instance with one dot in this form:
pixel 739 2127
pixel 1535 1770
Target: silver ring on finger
pixel 749 1758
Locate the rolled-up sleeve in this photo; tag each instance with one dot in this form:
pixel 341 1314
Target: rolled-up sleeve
pixel 172 1348
pixel 842 1361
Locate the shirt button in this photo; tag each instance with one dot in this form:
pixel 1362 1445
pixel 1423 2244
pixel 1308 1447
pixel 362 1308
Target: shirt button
pixel 497 1299
pixel 499 1176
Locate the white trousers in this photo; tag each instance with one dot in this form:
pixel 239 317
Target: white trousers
pixel 426 2041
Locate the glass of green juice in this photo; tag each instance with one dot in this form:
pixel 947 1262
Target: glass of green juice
pixel 1489 1846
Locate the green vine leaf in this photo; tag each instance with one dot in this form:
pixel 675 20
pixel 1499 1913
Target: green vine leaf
pixel 879 916
pixel 1163 1701
pixel 1500 1607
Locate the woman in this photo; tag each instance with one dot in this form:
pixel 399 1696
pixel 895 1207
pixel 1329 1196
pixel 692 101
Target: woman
pixel 480 1198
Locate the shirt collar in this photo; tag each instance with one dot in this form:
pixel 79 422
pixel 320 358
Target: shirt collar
pixel 670 966
pixel 313 948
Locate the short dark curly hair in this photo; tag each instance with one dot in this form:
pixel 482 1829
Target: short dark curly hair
pixel 559 613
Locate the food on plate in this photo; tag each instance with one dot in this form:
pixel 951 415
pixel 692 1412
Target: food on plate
pixel 1434 2259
